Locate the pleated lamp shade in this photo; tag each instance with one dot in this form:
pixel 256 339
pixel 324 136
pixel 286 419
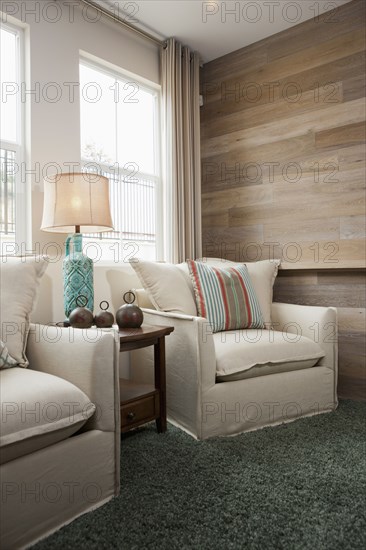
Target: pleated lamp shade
pixel 76 199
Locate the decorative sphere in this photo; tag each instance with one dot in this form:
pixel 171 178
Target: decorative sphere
pixel 81 317
pixel 129 316
pixel 104 319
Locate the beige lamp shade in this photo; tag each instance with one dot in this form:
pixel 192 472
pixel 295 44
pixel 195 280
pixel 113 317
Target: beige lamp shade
pixel 76 199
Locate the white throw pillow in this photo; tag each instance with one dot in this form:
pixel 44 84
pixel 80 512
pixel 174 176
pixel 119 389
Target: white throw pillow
pixel 168 285
pixel 20 277
pixel 263 275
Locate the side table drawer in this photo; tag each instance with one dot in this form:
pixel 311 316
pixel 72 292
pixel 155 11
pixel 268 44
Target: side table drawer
pixel 139 411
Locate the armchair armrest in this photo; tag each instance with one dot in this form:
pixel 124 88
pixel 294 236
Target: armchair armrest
pixel 190 364
pixel 317 323
pixel 190 351
pixel 86 358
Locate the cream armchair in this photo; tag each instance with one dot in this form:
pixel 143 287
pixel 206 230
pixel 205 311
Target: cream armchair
pixel 205 405
pixel 60 475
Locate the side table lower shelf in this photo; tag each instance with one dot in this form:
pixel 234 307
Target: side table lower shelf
pixel 140 403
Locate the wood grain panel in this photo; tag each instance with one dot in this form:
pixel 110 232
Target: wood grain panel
pixel 352 365
pixel 228 242
pixel 341 21
pixel 276 110
pixel 279 150
pixel 315 296
pixel 221 219
pixel 313 181
pixel 351 319
pixel 244 60
pixel 353 227
pixel 322 81
pixel 348 19
pixel 348 278
pixel 227 199
pixel 308 230
pixel 351 384
pixel 292 108
pixel 350 157
pixel 341 136
pixel 291 211
pixel 313 121
pixel 298 254
pixel 309 58
pixel 303 277
pixel 354 88
pixel 339 294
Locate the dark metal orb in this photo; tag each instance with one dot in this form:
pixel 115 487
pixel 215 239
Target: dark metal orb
pixel 129 316
pixel 104 319
pixel 81 317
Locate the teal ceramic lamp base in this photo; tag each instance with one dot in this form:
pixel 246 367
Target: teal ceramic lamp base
pixel 78 275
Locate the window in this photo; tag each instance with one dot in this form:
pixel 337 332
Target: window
pixel 120 137
pixel 12 189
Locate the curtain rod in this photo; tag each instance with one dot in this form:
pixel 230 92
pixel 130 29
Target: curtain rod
pixel 117 19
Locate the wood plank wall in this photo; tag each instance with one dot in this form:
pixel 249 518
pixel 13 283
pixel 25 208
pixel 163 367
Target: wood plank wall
pixel 283 168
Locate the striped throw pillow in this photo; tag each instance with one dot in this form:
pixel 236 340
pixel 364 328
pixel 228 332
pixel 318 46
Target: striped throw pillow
pixel 225 296
pixel 6 360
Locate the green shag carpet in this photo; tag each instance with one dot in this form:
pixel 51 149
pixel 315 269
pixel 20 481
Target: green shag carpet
pixel 296 486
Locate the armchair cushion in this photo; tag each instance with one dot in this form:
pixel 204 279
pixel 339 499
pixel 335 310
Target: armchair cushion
pixel 20 277
pixel 225 296
pixel 249 353
pixel 37 410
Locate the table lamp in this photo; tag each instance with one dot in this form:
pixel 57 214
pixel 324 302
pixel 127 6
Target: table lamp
pixel 76 203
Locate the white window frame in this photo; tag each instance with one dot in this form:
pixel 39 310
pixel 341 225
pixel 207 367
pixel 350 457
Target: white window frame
pixel 22 237
pixel 155 89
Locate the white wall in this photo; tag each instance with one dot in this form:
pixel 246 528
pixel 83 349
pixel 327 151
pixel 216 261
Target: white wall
pixel 54 129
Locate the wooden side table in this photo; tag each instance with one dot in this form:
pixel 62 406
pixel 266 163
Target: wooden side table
pixel 141 403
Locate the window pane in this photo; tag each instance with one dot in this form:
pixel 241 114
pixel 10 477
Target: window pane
pixel 98 116
pixel 135 122
pixel 7 195
pixel 118 133
pixel 9 89
pixel 133 207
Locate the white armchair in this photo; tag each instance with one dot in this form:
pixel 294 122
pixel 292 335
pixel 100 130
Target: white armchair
pixel 58 478
pixel 204 406
pixel 59 421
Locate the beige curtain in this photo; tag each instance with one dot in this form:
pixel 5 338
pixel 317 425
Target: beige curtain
pixel 181 146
